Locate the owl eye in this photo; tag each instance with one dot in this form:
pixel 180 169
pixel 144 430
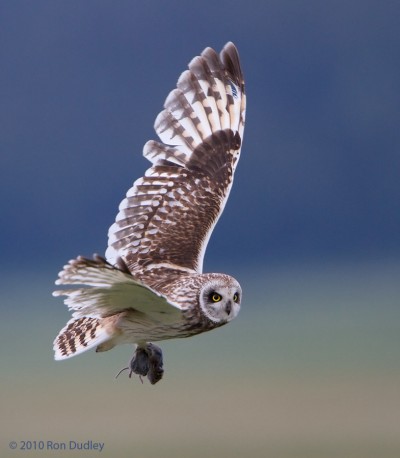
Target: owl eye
pixel 215 297
pixel 236 297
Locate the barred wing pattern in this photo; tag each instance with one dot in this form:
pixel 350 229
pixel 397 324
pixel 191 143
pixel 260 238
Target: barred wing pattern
pixel 96 292
pixel 168 215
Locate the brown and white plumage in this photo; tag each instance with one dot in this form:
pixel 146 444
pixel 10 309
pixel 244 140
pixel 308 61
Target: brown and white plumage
pixel 150 287
pixel 202 124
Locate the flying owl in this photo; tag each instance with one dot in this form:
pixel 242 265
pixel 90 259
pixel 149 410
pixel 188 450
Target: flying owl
pixel 150 285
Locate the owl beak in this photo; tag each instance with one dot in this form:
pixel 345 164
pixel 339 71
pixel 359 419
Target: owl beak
pixel 228 307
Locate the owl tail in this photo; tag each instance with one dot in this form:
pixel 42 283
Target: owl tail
pixel 79 335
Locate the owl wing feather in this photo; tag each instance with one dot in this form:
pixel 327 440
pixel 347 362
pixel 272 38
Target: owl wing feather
pixel 94 291
pixel 168 215
pixel 97 290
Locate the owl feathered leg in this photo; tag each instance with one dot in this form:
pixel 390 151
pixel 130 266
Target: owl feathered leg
pixel 147 361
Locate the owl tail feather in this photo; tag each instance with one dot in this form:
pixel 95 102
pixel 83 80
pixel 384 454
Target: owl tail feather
pixel 79 335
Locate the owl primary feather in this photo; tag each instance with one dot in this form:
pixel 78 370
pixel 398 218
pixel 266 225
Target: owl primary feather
pixel 150 286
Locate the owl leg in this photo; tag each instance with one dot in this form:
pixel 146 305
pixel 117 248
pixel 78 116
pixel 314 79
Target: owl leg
pixel 147 361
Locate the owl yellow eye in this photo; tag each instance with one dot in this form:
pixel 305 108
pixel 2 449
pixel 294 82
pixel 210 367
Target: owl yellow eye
pixel 216 297
pixel 236 297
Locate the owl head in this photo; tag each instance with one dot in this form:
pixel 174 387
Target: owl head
pixel 220 297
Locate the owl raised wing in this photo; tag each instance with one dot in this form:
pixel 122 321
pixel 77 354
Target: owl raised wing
pixel 168 215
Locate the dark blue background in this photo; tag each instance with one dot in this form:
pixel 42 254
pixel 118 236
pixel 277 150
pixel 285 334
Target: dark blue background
pixel 82 81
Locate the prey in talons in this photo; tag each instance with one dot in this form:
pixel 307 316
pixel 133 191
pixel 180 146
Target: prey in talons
pixel 147 362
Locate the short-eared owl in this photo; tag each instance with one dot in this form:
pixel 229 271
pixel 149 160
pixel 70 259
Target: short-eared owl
pixel 150 286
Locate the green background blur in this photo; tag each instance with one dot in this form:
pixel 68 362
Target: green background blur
pixel 309 369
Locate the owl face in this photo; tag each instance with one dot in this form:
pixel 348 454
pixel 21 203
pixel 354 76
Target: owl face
pixel 220 298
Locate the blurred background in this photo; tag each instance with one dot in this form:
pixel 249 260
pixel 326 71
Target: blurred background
pixel 311 367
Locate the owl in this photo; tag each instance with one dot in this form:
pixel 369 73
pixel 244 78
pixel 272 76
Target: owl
pixel 150 286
